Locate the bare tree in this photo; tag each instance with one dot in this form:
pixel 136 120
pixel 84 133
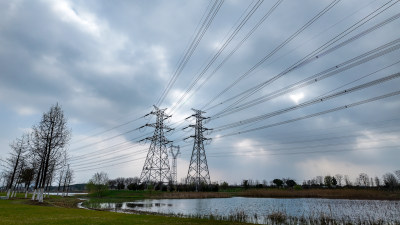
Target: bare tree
pixel 347 180
pixel 120 183
pixel 67 180
pixel 363 179
pixel 62 173
pixel 26 177
pixel 390 181
pixel 397 172
pixel 377 182
pixel 70 177
pixel 339 178
pixel 18 147
pixel 98 184
pixel 51 136
pixel 319 180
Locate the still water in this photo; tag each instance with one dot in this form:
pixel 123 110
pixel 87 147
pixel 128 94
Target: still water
pixel 258 208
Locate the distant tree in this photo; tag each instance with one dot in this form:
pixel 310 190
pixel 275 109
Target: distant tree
pixel 363 179
pixel 347 180
pixel 319 180
pixel 246 184
pixel 397 172
pixel 390 181
pixel 339 178
pixel 290 183
pixel 98 184
pixel 377 182
pixel 334 181
pixel 328 181
pixel 265 183
pixel 278 182
pixel 69 179
pixel 224 185
pixel 131 180
pixel 112 184
pixel 120 183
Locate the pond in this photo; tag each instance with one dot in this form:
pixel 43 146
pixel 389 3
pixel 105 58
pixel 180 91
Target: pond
pixel 263 210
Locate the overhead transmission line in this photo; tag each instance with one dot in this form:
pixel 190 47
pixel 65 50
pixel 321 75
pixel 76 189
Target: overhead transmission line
pixel 312 115
pixel 323 139
pixel 113 159
pixel 107 160
pixel 107 166
pixel 292 148
pixel 218 53
pixel 317 53
pixel 312 152
pixel 337 69
pixel 110 147
pixel 308 103
pixel 276 49
pixel 200 33
pixel 238 45
pixel 109 129
pixel 278 112
pixel 139 117
pixel 136 153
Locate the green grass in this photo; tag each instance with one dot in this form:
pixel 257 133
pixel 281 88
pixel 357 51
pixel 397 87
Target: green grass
pixel 20 211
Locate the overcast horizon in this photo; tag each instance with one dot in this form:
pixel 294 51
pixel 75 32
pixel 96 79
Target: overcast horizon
pixel 108 63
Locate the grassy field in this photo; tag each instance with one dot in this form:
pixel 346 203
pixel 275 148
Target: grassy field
pixel 57 211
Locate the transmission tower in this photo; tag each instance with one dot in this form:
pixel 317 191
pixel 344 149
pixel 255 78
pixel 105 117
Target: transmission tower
pixel 156 167
pixel 174 156
pixel 198 169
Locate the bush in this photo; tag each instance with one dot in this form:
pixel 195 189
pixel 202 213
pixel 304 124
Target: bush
pixel 297 187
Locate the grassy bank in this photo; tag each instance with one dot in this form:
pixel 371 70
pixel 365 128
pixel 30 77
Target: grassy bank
pixel 21 211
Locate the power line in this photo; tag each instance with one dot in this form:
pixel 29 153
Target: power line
pixel 206 24
pixel 218 53
pixel 107 166
pixel 314 114
pixel 109 129
pixel 109 159
pixel 309 102
pixel 319 52
pixel 276 49
pixel 266 15
pixel 314 152
pixel 356 61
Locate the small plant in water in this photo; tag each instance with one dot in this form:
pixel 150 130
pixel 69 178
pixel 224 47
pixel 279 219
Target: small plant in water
pixel 277 217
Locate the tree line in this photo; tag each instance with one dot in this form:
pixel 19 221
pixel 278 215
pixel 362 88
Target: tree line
pixel 39 158
pixel 100 183
pixel 388 181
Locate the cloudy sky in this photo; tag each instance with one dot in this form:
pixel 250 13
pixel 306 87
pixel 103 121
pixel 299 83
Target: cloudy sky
pixel 107 63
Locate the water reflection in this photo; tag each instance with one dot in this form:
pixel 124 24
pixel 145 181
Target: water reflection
pixel 257 209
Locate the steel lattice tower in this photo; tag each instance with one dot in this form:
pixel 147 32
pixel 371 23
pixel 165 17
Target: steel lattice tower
pixel 156 167
pixel 174 165
pixel 198 169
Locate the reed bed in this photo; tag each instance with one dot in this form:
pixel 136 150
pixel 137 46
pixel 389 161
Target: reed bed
pixel 367 194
